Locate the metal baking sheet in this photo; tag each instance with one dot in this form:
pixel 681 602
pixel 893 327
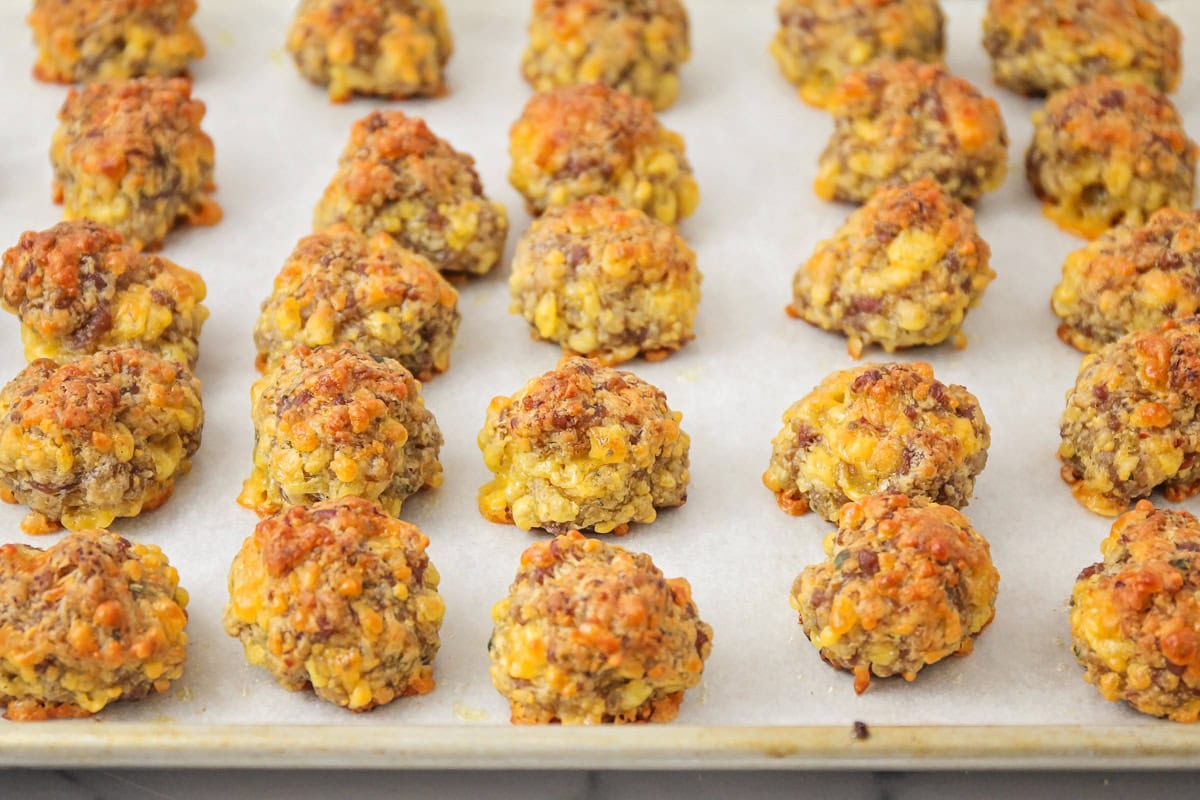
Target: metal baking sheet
pixel 766 699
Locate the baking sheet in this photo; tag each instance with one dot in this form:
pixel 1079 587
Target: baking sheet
pixel 753 146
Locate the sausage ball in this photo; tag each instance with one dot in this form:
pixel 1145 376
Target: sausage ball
pixel 1130 278
pixel 1039 47
pixel 88 40
pixel 905 583
pixel 396 177
pixel 591 633
pixel 636 46
pixel 898 121
pixel 583 446
pixel 78 288
pixel 337 421
pixel 902 271
pixel 576 141
pixel 131 156
pixel 340 598
pixel 102 437
pixel 820 41
pixel 384 48
pixel 1135 616
pixel 606 282
pixel 91 620
pixel 1105 153
pixel 878 428
pixel 338 286
pixel 1130 425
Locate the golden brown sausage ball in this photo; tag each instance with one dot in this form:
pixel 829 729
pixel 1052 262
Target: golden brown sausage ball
pixel 636 46
pixel 1106 153
pixel 902 271
pixel 1135 616
pixel 1130 425
pixel 1039 47
pixel 898 121
pixel 337 421
pixel 906 583
pixel 820 41
pixel 1130 278
pixel 576 141
pixel 340 598
pixel 878 428
pixel 591 633
pixel 102 437
pixel 606 282
pixel 396 177
pixel 583 446
pixel 88 40
pixel 338 286
pixel 385 48
pixel 78 288
pixel 131 156
pixel 91 620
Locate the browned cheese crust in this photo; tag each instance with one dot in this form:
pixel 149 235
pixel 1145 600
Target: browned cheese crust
pixel 337 421
pixel 820 41
pixel 906 584
pixel 1130 425
pixel 131 156
pixel 338 286
pixel 385 48
pixel 878 428
pixel 88 40
pixel 102 437
pixel 396 177
pixel 902 271
pixel 1105 153
pixel 78 288
pixel 898 121
pixel 1135 616
pixel 591 633
pixel 1130 278
pixel 1042 46
pixel 92 620
pixel 606 282
pixel 577 141
pixel 340 598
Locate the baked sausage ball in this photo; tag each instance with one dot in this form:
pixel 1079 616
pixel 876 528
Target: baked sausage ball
pixel 87 40
pixel 902 271
pixel 576 141
pixel 338 286
pixel 340 598
pixel 1105 153
pixel 131 156
pixel 898 121
pixel 1130 425
pixel 337 421
pixel 385 48
pixel 906 583
pixel 820 41
pixel 91 620
pixel 396 177
pixel 606 282
pixel 591 633
pixel 878 428
pixel 1135 616
pixel 78 288
pixel 636 46
pixel 1042 46
pixel 583 446
pixel 102 437
pixel 1131 277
